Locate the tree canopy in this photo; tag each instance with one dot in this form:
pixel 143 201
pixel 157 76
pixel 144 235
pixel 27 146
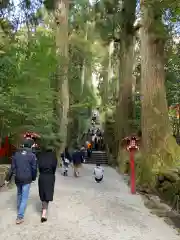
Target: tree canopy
pixel 60 59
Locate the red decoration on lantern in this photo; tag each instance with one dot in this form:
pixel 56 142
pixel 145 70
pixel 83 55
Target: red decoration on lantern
pixel 132 146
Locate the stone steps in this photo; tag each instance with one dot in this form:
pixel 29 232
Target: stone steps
pixel 97 157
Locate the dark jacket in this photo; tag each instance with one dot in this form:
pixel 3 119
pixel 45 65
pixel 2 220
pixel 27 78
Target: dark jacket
pixel 47 163
pixel 24 167
pixel 77 157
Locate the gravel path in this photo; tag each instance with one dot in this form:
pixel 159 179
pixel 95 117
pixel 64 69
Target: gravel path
pixel 84 210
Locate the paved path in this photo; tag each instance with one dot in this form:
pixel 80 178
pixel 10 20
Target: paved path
pixel 84 210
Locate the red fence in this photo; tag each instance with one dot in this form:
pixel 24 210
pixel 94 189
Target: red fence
pixel 7 150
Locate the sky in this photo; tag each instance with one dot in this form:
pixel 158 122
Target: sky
pixel 17 13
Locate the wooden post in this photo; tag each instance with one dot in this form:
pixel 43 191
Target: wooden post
pixel 133 176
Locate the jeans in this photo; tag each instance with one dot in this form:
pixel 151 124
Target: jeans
pixel 22 198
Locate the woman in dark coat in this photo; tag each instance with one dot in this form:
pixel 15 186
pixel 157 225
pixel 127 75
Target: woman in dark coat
pixel 47 163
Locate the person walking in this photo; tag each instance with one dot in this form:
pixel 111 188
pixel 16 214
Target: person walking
pixel 24 167
pixel 47 164
pixel 83 153
pixel 89 149
pixel 28 140
pixel 66 159
pixel 77 158
pixel 96 143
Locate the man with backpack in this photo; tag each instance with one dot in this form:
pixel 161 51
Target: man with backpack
pixel 24 168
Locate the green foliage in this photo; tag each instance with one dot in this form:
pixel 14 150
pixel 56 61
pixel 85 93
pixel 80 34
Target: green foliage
pixel 27 65
pixel 107 19
pixel 25 84
pixel 173 75
pixel 4 4
pixel 49 4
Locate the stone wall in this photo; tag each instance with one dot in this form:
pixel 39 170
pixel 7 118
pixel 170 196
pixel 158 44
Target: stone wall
pixel 168 185
pixel 4 168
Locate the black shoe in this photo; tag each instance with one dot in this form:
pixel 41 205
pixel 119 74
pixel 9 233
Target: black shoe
pixel 43 219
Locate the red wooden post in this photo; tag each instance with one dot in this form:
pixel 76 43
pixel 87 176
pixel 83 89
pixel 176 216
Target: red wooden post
pixel 132 147
pixel 132 166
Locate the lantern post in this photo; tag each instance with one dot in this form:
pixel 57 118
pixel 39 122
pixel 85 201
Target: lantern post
pixel 132 148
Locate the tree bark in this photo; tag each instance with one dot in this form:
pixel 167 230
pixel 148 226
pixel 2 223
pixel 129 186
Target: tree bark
pixel 125 105
pixel 105 83
pixel 158 145
pixel 62 85
pixel 124 110
pixel 84 63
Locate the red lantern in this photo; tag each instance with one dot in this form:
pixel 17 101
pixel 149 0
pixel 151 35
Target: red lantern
pixel 132 147
pixel 31 135
pixel 131 144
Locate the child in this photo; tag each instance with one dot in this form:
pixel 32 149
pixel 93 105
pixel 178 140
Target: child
pixel 98 173
pixel 66 159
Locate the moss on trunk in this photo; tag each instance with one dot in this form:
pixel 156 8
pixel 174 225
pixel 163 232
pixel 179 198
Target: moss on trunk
pixel 158 145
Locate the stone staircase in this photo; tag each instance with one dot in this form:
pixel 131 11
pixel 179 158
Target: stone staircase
pixel 97 157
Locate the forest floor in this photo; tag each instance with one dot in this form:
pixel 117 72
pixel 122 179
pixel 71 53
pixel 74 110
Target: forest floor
pixel 83 209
